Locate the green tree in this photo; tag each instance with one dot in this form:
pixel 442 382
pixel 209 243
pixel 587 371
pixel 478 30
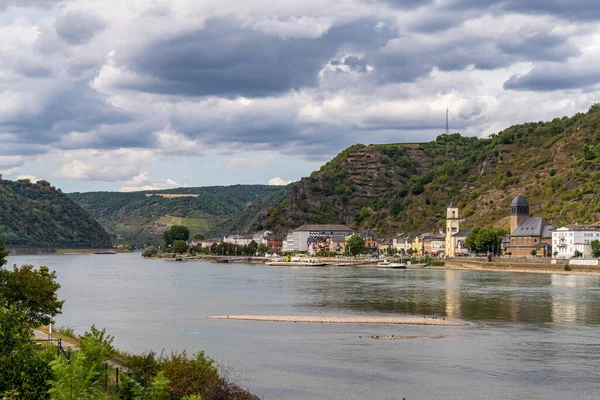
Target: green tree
pixel 534 252
pixel 81 376
pixel 263 249
pixel 198 236
pixel 252 248
pixel 150 251
pixel 32 291
pixel 483 240
pixel 176 232
pixel 595 244
pixel 356 245
pixel 180 246
pixel 3 254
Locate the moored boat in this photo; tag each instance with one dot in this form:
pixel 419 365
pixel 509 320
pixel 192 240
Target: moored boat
pixel 390 265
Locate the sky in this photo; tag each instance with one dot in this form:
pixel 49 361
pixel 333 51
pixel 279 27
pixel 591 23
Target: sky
pixel 152 94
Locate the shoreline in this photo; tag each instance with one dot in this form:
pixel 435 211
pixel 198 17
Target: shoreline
pixel 519 267
pixel 380 320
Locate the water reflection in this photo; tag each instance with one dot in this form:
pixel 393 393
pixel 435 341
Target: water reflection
pixel 467 295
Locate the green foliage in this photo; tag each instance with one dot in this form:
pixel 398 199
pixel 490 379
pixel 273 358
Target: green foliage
pixel 577 254
pixel 176 232
pixel 179 246
pixel 356 245
pixel 485 240
pixel 150 251
pixel 16 328
pixel 534 252
pixel 595 245
pixel 25 372
pixel 36 214
pixel 190 375
pixel 32 291
pixel 3 254
pixel 80 377
pixel 217 210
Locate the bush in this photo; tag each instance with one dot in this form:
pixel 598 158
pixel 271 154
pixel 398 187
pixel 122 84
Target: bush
pixel 436 263
pixel 150 251
pixel 190 376
pixel 26 372
pixel 567 267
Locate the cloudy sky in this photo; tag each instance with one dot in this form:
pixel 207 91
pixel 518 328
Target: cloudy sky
pixel 138 94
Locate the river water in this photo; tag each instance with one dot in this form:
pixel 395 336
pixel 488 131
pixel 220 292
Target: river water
pixel 529 336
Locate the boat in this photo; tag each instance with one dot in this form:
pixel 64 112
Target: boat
pixel 390 265
pixel 105 252
pixel 295 262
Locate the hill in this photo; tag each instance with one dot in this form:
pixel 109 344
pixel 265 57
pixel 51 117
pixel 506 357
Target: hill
pixel 406 187
pixel 140 218
pixel 36 214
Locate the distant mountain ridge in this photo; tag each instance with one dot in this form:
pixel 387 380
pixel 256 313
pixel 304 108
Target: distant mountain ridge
pixel 140 218
pixel 393 188
pixel 38 215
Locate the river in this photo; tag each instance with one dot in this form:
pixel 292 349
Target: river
pixel 529 336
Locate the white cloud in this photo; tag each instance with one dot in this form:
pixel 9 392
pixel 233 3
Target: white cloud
pixel 277 181
pixel 144 182
pixel 97 165
pixel 30 177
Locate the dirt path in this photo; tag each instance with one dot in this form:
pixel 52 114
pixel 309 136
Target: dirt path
pixel 66 344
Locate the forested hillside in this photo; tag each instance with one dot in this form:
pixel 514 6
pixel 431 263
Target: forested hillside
pixel 138 219
pixel 36 214
pixel 406 187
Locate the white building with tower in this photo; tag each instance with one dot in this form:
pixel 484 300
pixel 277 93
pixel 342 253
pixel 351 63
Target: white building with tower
pixel 455 238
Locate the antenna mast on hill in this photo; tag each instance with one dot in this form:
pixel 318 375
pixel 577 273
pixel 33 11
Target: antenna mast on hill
pixel 447 126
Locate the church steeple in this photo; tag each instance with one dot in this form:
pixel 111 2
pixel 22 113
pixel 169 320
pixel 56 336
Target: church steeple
pixel 452 226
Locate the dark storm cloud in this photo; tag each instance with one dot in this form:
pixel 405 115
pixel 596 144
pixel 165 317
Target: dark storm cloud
pixel 554 77
pixel 78 27
pixel 584 10
pixel 4 4
pixel 228 60
pixel 74 108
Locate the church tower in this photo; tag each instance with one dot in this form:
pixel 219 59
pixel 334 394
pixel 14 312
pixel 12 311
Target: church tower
pixel 519 210
pixel 452 226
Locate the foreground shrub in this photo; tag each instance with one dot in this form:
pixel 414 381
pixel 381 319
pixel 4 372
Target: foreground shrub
pixel 190 376
pixel 25 373
pixel 222 389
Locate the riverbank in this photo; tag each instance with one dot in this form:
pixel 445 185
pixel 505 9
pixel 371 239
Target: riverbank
pixel 517 266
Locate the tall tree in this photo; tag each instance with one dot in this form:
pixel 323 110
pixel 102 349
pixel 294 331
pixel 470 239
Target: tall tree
pixel 356 245
pixel 176 232
pixel 31 291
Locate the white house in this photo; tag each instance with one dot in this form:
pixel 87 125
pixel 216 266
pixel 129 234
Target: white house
pixel 298 238
pixel 569 239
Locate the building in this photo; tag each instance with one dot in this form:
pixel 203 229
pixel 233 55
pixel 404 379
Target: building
pixel 455 238
pixel 527 233
pixel 402 242
pixel 297 240
pixel 370 239
pixel 433 243
pixel 385 245
pixel 240 240
pixel 337 244
pixel 574 238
